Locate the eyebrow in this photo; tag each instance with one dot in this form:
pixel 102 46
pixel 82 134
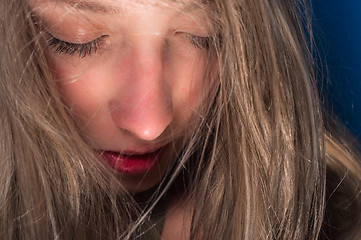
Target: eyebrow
pixel 90 6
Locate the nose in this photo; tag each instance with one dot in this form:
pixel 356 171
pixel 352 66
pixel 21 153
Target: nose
pixel 143 105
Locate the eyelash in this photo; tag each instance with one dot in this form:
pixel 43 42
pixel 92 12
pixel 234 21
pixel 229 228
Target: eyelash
pixel 200 42
pixel 83 49
pixel 86 49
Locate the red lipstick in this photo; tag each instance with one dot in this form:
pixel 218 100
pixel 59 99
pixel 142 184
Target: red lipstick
pixel 131 164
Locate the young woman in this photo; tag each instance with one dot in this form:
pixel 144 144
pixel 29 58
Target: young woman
pixel 172 119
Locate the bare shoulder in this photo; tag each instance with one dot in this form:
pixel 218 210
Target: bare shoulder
pixel 178 219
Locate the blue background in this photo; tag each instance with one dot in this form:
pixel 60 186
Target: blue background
pixel 337 26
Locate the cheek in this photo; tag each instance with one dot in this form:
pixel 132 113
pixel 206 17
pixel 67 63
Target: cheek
pixel 79 97
pixel 86 98
pixel 191 92
pixel 80 89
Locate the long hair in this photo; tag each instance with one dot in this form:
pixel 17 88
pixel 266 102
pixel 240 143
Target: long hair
pixel 270 156
pixel 52 185
pixel 256 164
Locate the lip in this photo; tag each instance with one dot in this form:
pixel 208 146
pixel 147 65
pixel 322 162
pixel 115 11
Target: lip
pixel 131 162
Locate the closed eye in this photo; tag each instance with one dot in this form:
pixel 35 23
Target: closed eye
pixel 79 49
pixel 200 41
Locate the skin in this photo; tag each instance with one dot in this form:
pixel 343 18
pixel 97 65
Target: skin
pixel 141 89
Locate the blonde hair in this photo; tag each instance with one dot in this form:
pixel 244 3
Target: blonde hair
pixel 256 167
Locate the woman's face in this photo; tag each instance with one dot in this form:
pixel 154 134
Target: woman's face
pixel 132 73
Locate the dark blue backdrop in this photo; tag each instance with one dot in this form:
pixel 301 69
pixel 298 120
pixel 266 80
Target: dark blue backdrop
pixel 338 33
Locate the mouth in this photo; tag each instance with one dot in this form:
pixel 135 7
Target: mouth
pixel 131 163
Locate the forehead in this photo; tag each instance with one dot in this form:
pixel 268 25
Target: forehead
pixel 116 6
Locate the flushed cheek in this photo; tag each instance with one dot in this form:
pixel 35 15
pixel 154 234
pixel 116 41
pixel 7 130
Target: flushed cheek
pixel 88 106
pixel 189 93
pixel 79 97
pixel 82 90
